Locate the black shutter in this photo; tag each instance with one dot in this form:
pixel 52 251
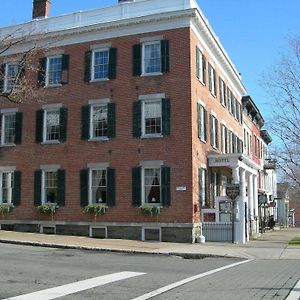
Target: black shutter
pixel 2 77
pixel 206 188
pixel 136 60
pixel 137 119
pixel 199 119
pixel 112 71
pixel 111 187
pixel 166 116
pixel 37 187
pixel 65 68
pixel 17 188
pixel 200 184
pixel 85 122
pixel 198 62
pixel 136 186
pixel 61 187
pixel 205 124
pixel 111 120
pixel 165 56
pixel 209 78
pixel 42 71
pixel 211 131
pixel 18 128
pixel 39 126
pixel 84 184
pixel 87 65
pixel 165 186
pixel 204 68
pixel 222 138
pixel 226 140
pixel 215 82
pixel 63 121
pixel 220 90
pixel 217 133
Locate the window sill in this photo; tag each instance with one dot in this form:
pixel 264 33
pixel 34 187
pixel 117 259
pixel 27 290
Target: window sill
pixel 152 204
pixel 50 143
pixel 203 141
pixel 151 74
pixel 100 139
pixel 6 204
pixel 152 136
pixel 201 82
pixel 53 85
pixel 215 96
pixel 7 145
pixel 99 80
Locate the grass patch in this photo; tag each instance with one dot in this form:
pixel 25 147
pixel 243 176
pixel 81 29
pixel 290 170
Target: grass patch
pixel 295 241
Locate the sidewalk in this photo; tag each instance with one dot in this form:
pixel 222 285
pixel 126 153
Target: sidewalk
pixel 271 245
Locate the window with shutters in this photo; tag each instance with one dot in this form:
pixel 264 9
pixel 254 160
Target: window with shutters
pixel 152 118
pixel 6 188
pixel 151 185
pixel 8 128
pixel 54 70
pixel 201 66
pixel 212 80
pixel 202 123
pixel 49 186
pixel 151 58
pixel 214 131
pixel 203 187
pixel 97 185
pixel 223 138
pixel 223 93
pixel 100 64
pixel 51 125
pixel 11 71
pixel 99 122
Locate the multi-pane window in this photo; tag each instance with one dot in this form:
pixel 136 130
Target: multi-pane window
pixel 223 138
pixel 51 125
pixel 49 187
pixel 100 67
pixel 7 185
pixel 11 71
pixel 54 70
pixel 151 57
pixel 202 123
pixel 203 199
pixel 222 91
pixel 8 128
pixel 98 186
pixel 212 79
pixel 152 185
pixel 214 131
pixel 152 117
pixel 229 101
pixel 99 121
pixel 201 65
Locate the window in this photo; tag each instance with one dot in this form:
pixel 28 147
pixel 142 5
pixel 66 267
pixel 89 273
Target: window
pixel 54 70
pixel 100 64
pixel 230 143
pixel 229 101
pixel 215 187
pixel 7 186
pixel 99 121
pixel 202 123
pixel 49 192
pixel 11 71
pixel 200 66
pixel 223 94
pixel 152 185
pixel 51 125
pixel 8 128
pixel 152 115
pixel 203 183
pixel 224 185
pixel 212 80
pixel 223 138
pixel 151 58
pixel 98 186
pixel 214 131
pixel 233 111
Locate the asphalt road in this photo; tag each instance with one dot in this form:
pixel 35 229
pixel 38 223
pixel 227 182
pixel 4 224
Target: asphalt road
pixel 25 270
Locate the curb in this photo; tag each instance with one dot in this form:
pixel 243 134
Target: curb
pixel 97 249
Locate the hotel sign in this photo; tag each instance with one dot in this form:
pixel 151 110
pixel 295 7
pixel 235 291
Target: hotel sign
pixel 232 191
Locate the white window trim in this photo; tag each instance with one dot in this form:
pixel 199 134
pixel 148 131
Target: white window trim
pixel 150 135
pixel 204 187
pixel 3 129
pixel 223 136
pixel 151 228
pixel 154 166
pixel 1 190
pixel 6 75
pixel 212 74
pixel 93 64
pixel 201 73
pixel 50 168
pixel 223 91
pixel 214 130
pixel 99 138
pixel 202 120
pixel 90 181
pixel 45 141
pixel 47 71
pixel 143 59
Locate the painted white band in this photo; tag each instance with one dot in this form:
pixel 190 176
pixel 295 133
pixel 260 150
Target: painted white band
pixel 295 292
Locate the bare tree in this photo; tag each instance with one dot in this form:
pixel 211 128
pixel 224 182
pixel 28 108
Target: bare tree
pixel 283 85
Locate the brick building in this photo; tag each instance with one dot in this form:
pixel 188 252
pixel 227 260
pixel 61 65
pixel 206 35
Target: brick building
pixel 140 107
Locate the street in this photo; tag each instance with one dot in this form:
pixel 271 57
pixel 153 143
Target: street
pixel 26 270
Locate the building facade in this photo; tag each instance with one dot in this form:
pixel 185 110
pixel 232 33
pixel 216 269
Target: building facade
pixel 142 113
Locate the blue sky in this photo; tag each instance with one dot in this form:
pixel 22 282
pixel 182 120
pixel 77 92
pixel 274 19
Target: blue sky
pixel 253 32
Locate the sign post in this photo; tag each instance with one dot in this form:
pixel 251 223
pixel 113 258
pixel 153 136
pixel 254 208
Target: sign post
pixel 232 191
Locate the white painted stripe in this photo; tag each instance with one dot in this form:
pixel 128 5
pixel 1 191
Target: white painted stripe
pixel 295 293
pixel 187 280
pixel 76 287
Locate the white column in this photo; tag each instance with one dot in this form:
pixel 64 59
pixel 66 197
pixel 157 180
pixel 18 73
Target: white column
pixel 255 200
pixel 235 175
pixel 250 197
pixel 241 238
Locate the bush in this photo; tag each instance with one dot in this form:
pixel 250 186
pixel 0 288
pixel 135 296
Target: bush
pixel 96 209
pixel 150 210
pixel 48 208
pixel 6 209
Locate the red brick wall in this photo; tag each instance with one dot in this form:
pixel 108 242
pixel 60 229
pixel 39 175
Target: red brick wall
pixel 122 152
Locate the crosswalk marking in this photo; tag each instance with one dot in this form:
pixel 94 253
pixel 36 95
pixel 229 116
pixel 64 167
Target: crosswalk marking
pixel 187 280
pixel 75 287
pixel 295 292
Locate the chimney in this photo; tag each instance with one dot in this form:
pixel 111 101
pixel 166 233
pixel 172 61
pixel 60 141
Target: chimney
pixel 41 9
